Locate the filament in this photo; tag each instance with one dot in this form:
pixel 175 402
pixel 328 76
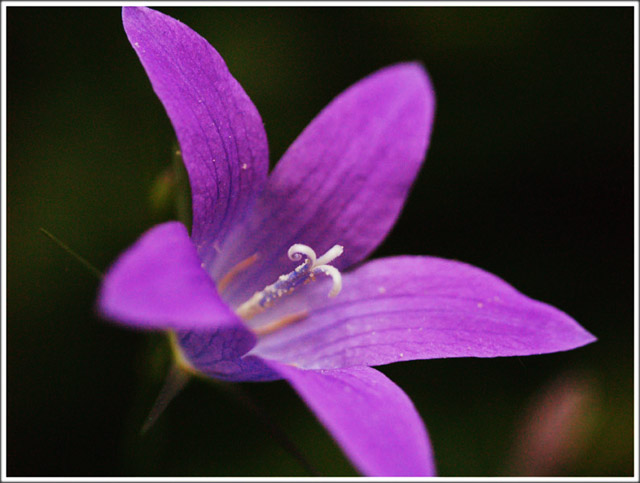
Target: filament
pixel 280 323
pixel 235 270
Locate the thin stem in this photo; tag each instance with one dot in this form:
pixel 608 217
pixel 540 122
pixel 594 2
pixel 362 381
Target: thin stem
pixel 270 425
pixel 71 252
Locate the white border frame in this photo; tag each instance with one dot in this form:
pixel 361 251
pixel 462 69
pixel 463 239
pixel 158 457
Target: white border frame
pixel 3 188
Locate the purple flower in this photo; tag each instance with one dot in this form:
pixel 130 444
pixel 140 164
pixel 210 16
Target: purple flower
pixel 237 306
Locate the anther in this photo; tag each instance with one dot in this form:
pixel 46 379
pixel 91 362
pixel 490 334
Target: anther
pixel 301 275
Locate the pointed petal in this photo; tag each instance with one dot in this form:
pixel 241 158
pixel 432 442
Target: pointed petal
pixel 405 308
pixel 221 135
pixel 370 417
pixel 159 284
pixel 343 181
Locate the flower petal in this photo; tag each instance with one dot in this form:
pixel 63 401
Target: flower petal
pixel 219 354
pixel 343 181
pixel 370 417
pixel 221 135
pixel 405 308
pixel 159 284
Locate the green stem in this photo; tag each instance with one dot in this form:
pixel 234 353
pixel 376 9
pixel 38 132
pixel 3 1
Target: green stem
pixel 71 252
pixel 268 422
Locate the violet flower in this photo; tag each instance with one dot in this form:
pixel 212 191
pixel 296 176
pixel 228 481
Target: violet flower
pixel 238 307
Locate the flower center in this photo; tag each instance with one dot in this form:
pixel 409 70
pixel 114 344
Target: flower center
pixel 304 273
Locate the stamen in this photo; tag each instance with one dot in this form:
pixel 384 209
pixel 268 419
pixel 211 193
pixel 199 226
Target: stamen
pixel 303 274
pixel 235 270
pixel 280 323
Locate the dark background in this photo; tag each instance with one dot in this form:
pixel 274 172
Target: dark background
pixel 529 175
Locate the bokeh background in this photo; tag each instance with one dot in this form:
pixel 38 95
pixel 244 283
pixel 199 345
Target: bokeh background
pixel 529 175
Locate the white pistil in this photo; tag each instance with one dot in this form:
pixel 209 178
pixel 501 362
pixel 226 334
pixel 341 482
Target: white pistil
pixel 335 274
pixel 303 274
pixel 296 251
pixel 334 252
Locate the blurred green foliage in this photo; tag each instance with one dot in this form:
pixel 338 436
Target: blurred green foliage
pixel 529 175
